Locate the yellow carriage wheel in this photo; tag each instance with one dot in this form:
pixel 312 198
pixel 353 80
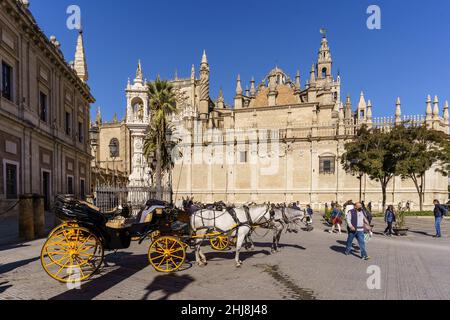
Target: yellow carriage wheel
pixel 220 243
pixel 72 255
pixel 155 235
pixel 65 225
pixel 167 254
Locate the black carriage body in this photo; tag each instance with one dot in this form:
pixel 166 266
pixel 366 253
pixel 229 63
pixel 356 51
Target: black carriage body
pixel 68 208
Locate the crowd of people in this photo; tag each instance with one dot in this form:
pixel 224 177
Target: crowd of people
pixel 358 218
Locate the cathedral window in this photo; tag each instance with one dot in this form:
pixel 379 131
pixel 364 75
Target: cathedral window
pixel 327 165
pixel 114 150
pixel 324 73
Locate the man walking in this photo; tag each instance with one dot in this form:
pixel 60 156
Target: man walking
pixel 357 222
pixel 439 213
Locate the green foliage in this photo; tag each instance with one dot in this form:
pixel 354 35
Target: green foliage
pixel 328 213
pixel 410 214
pixel 420 149
pixel 405 151
pixel 373 153
pixel 162 102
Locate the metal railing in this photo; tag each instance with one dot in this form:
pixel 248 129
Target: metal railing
pixel 108 198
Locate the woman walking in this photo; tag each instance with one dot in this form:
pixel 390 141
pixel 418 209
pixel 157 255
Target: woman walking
pixel 389 218
pixel 336 219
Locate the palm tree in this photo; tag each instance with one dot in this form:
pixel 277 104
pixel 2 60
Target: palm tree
pixel 162 104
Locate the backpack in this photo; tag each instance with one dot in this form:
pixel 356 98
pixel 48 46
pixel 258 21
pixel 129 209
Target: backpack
pixel 444 210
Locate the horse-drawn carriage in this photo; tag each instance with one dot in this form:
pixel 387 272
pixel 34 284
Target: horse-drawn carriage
pixel 74 251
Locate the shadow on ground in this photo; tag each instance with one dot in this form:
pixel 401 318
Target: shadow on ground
pixel 4 286
pixel 5 268
pixel 168 284
pixel 124 265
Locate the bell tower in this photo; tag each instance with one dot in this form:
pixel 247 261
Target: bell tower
pixel 324 61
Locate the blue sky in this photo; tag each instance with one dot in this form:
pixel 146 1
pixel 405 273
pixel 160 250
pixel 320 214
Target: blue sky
pixel 408 57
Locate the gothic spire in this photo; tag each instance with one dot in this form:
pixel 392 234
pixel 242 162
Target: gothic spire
pixel 312 78
pixel 429 109
pixel 252 87
pixel 204 58
pixel 436 108
pixel 98 118
pixel 139 76
pixel 398 111
pixel 238 86
pixel 80 64
pixel 446 114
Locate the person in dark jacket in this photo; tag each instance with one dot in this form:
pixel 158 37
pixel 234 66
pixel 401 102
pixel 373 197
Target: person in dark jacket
pixel 389 218
pixel 309 211
pixel 439 213
pixel 357 224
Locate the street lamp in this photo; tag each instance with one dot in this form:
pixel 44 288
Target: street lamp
pixel 114 152
pixel 94 133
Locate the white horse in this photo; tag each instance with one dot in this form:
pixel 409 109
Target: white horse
pixel 283 219
pixel 240 222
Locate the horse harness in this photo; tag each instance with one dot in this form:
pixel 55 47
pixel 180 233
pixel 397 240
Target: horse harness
pixel 231 211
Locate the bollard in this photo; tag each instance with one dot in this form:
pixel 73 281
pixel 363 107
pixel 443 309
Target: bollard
pixel 26 220
pixel 39 216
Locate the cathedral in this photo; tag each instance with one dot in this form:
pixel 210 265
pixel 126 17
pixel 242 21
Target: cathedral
pixel 281 141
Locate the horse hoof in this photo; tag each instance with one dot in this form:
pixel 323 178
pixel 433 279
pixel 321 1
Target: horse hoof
pixel 238 265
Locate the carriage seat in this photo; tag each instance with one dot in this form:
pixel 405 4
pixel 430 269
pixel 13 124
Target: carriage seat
pixel 146 215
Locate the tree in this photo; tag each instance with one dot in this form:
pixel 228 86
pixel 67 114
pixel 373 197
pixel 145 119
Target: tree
pixel 372 152
pixel 162 104
pixel 421 149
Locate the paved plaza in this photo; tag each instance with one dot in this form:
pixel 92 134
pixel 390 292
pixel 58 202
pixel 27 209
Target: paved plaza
pixel 310 266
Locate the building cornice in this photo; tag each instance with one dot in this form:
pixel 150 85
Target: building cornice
pixel 25 20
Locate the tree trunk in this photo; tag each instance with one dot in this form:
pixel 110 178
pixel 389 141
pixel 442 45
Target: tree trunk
pixel 383 190
pixel 159 195
pixel 422 193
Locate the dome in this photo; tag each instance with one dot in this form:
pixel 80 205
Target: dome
pixel 281 76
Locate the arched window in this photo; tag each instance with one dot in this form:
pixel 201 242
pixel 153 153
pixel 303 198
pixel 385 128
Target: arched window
pixel 114 150
pixel 324 73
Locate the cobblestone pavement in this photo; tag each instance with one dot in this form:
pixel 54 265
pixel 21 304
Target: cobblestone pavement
pixel 310 266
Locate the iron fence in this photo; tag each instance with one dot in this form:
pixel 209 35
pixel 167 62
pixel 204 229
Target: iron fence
pixel 108 198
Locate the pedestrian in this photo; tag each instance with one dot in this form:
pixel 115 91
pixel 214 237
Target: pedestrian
pixel 348 206
pixel 369 206
pixel 439 212
pixel 389 219
pixel 309 211
pixel 357 222
pixel 336 218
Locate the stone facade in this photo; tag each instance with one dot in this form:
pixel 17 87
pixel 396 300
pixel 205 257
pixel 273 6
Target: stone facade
pixel 44 112
pixel 281 141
